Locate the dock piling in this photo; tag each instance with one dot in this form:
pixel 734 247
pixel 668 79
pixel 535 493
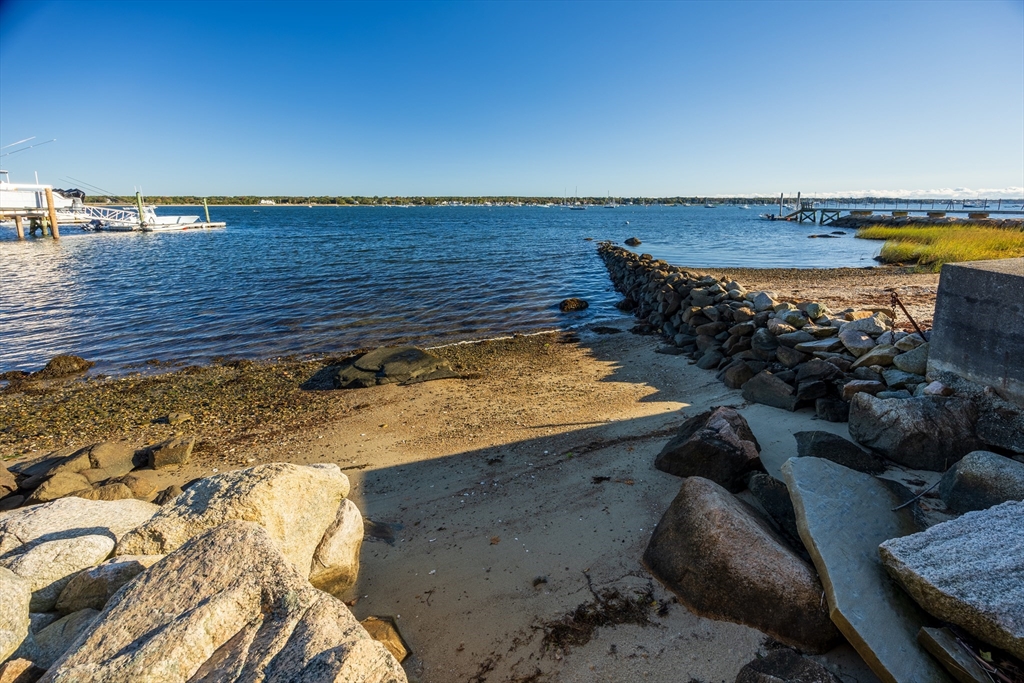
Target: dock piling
pixel 52 212
pixel 206 209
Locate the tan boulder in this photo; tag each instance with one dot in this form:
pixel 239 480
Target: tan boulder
pixel 49 566
pixel 20 671
pixel 107 492
pixel 59 485
pixel 143 483
pixel 295 504
pixel 173 452
pixel 336 561
pixel 384 631
pixel 67 518
pixel 15 594
pixel 226 606
pixel 52 641
pixel 93 587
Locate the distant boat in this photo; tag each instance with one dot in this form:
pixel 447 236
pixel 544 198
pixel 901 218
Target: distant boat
pixel 768 217
pixel 611 203
pixel 745 206
pixel 708 205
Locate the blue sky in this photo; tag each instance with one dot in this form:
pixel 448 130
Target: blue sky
pixel 522 98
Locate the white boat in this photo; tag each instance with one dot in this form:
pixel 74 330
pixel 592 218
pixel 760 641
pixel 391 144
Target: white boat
pixel 745 206
pixel 127 220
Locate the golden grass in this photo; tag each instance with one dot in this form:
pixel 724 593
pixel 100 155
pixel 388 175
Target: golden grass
pixel 931 246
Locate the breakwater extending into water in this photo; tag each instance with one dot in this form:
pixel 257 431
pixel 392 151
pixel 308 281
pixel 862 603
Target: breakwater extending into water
pixel 322 280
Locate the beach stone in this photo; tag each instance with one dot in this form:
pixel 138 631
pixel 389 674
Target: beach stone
pixel 765 388
pixel 22 529
pixel 174 452
pixel 572 304
pixel 93 587
pixel 980 480
pixel 737 374
pixel 763 344
pixel 49 566
pixel 817 369
pixel 811 390
pixel 874 325
pixel 115 491
pixel 856 342
pixel 16 593
pixel 816 310
pixel 390 364
pixel 790 357
pixel 832 409
pixel 829 345
pixel 909 342
pixel 861 386
pixel 226 606
pixel 20 671
pixel 59 485
pixel 168 494
pixel 717 445
pixel 843 515
pixel 968 571
pixel 62 366
pixel 336 560
pixel 829 446
pixel 385 632
pixel 54 640
pixel 743 329
pixel 792 339
pixel 937 389
pixel 900 393
pixel 881 355
pixel 8 483
pixel 914 361
pixel 762 301
pixel 779 328
pixel 957 660
pixel 710 360
pixel 922 433
pixel 794 318
pixel 296 505
pixel 11 501
pixel 784 666
pixel 820 332
pixel 898 379
pixel 177 418
pixel 142 483
pixel 633 241
pixel 725 561
pixel 773 496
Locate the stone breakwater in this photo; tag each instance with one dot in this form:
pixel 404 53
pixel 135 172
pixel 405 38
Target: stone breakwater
pixel 858 222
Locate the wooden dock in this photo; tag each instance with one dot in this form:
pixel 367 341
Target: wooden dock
pixel 825 216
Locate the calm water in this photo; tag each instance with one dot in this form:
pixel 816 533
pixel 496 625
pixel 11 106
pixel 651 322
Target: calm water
pixel 300 280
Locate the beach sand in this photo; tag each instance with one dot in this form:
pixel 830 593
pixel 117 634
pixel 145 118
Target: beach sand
pixel 500 503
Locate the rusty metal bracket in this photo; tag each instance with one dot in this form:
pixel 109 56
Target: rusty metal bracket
pixel 895 301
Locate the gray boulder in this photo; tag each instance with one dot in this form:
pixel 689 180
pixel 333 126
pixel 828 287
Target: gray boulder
pixel 295 504
pixel 90 589
pixel 856 342
pixel 882 355
pixel 717 445
pixel 49 566
pixel 768 389
pixel 386 365
pixel 842 516
pixel 980 480
pixel 773 496
pixel 226 606
pixel 928 433
pixel 968 571
pixel 837 449
pixel 874 325
pixel 914 361
pixel 726 562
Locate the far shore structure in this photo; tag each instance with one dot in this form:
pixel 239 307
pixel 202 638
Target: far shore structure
pixel 508 510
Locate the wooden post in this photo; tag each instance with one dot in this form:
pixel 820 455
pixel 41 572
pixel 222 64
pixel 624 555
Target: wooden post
pixel 781 195
pixel 138 203
pixel 54 230
pixel 19 227
pixel 206 209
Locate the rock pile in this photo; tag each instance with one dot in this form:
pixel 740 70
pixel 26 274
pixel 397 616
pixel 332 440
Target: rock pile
pixel 107 470
pixel 848 365
pixel 220 585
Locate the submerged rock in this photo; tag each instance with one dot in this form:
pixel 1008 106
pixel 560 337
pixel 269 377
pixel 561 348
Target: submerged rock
pixel 572 304
pixel 62 366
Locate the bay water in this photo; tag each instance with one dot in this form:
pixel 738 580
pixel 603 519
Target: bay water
pixel 297 280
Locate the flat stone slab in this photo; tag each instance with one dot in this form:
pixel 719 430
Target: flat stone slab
pixel 842 516
pixel 943 645
pixel 968 571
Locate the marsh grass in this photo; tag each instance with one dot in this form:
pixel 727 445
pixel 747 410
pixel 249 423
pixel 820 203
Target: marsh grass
pixel 931 246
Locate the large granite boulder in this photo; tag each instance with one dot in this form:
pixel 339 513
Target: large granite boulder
pixel 226 606
pixel 53 641
pixel 336 560
pixel 90 589
pixel 926 433
pixel 389 364
pixel 717 445
pixel 784 666
pixel 49 566
pixel 843 515
pixel 724 560
pixel 294 503
pixel 816 444
pixel 69 518
pixel 980 480
pixel 968 571
pixel 16 593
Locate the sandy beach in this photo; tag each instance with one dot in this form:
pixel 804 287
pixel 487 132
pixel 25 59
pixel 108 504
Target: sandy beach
pixel 498 503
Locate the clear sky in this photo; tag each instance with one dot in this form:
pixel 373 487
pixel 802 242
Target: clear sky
pixel 520 98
